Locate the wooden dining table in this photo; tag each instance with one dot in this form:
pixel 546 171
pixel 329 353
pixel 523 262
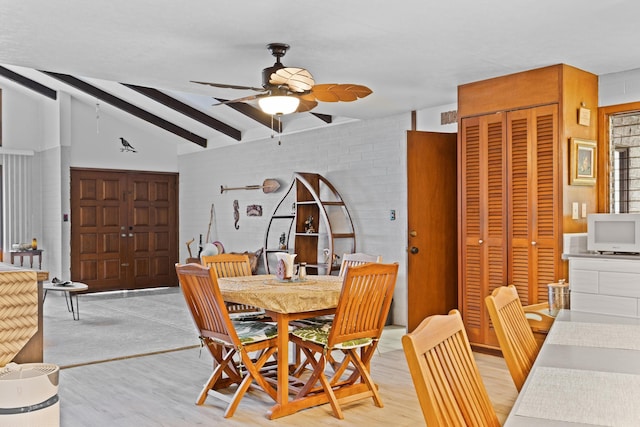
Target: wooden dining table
pixel 587 373
pixel 285 301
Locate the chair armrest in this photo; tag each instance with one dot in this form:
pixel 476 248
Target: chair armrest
pixel 538 317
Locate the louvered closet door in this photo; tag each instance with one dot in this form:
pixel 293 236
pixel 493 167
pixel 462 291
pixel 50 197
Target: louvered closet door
pixel 483 231
pixel 534 181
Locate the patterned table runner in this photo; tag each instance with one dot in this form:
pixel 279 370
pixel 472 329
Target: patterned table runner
pixel 589 397
pixel 603 335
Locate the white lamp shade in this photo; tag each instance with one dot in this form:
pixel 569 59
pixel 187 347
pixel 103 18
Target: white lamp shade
pixel 275 105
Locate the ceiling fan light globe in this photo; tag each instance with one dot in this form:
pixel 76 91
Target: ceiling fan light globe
pixel 276 105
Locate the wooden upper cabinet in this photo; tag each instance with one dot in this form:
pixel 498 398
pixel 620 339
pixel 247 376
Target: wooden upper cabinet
pixel 514 198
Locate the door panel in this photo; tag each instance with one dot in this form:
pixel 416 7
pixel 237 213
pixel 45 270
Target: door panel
pixel 123 229
pixel 431 183
pixel 483 221
pixel 96 216
pixel 534 203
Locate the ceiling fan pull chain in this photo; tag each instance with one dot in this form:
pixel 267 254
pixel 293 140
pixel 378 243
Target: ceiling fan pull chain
pixel 273 132
pixel 97 117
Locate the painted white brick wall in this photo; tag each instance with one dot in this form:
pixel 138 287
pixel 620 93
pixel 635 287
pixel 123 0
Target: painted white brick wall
pixel 365 161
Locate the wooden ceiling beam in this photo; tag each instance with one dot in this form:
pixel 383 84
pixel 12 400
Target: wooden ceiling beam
pixel 28 83
pixel 187 110
pixel 256 114
pixel 324 117
pixel 128 107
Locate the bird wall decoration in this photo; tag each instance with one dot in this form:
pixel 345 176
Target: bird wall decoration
pixel 126 146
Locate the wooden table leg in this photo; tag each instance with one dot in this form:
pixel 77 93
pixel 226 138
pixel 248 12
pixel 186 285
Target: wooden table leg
pixel 283 366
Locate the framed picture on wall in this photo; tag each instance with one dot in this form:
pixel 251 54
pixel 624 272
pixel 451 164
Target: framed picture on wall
pixel 583 162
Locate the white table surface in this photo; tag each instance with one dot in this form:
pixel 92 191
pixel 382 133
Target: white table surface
pixel 73 287
pixel 587 373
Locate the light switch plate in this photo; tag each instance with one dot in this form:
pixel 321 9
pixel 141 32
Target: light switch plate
pixel 575 214
pixel 584 210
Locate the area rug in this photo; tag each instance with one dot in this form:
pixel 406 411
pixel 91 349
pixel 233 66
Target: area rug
pixel 116 325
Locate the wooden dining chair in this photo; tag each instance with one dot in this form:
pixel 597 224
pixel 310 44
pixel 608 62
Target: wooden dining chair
pixel 517 342
pixel 350 260
pixel 360 316
pixel 234 265
pixel 225 338
pixel 445 375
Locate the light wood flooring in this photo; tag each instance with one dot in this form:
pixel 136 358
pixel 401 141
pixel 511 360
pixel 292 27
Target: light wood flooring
pixel 160 390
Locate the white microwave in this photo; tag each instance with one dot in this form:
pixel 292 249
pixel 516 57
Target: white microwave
pixel 613 233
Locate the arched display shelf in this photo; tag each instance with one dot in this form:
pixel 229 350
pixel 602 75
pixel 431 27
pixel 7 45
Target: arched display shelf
pixel 312 221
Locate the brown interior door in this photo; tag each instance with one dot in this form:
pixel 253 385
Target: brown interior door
pixel 432 220
pixel 123 229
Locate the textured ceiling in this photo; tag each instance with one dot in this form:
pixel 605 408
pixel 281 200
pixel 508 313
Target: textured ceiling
pixel 412 54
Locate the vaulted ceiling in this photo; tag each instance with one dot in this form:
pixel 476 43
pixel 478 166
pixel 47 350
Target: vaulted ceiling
pixel 412 54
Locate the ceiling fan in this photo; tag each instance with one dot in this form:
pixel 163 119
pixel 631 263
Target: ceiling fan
pixel 290 89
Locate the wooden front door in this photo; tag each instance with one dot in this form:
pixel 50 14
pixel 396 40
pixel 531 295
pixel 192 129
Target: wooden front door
pixel 432 220
pixel 123 229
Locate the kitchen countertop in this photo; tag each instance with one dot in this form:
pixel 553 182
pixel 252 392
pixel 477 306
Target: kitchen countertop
pixel 606 255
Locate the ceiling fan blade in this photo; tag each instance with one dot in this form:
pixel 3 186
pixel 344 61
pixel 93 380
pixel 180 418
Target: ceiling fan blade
pixel 226 86
pixel 306 105
pixel 332 92
pixel 296 79
pixel 243 99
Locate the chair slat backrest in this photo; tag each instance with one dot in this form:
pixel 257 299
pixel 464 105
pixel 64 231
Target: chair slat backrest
pixel 445 375
pixel 229 265
pixel 351 260
pixel 203 297
pixel 364 303
pixel 232 265
pixel 517 342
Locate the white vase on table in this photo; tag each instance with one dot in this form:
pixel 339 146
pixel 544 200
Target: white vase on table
pixel 285 265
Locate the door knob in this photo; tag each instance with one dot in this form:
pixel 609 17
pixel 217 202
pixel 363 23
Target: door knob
pixel 413 233
pixel 123 235
pixel 533 243
pixel 414 250
pixel 480 241
pixel 130 234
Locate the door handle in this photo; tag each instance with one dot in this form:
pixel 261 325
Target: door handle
pixel 414 250
pixel 123 235
pixel 130 234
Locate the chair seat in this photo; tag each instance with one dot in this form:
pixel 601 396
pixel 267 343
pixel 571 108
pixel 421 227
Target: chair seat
pixel 250 331
pixel 313 321
pixel 319 334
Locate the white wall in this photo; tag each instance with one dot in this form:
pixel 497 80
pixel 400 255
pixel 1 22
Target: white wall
pixel 365 161
pixel 95 141
pixel 429 119
pixel 619 88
